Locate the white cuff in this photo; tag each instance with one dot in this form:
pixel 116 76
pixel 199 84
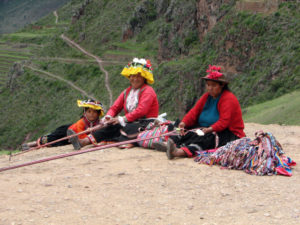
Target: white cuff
pixel 121 121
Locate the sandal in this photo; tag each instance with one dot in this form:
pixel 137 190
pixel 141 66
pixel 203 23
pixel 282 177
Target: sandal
pixel 170 149
pixel 74 140
pixel 160 146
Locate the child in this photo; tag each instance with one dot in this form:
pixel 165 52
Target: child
pixel 92 111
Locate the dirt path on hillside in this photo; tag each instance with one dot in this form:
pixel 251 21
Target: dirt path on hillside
pixel 99 61
pixel 56 16
pixel 79 61
pixel 62 79
pixel 140 186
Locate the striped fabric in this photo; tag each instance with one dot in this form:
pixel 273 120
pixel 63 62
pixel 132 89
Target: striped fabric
pixel 153 132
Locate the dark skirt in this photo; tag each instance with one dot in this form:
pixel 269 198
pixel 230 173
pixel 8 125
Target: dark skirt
pixel 118 133
pixel 58 133
pixel 191 142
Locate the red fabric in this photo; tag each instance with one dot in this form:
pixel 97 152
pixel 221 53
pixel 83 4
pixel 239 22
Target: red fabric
pixel 187 152
pixel 147 106
pixel 229 110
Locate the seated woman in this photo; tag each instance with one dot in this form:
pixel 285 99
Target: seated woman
pixel 139 102
pixel 217 113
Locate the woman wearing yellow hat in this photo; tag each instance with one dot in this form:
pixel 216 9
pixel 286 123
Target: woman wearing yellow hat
pixel 138 101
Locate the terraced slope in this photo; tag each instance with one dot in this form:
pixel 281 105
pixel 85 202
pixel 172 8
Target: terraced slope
pixel 9 55
pixel 15 14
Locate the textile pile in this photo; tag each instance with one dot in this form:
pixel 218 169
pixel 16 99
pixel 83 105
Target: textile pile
pixel 261 156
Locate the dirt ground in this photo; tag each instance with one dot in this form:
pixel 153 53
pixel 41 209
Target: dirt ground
pixel 140 186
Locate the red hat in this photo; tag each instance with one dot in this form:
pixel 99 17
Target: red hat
pixel 214 74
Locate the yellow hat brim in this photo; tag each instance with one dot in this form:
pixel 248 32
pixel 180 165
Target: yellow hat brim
pixel 91 105
pixel 147 74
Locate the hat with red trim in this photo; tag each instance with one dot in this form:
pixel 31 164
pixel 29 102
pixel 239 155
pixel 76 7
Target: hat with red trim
pixel 214 74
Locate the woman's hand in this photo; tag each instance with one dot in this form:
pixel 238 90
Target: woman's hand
pixel 181 126
pixel 207 130
pixel 113 121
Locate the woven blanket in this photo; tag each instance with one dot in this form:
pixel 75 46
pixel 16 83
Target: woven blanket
pixel 261 156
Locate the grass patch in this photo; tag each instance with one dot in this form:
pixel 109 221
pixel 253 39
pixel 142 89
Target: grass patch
pixel 13 56
pixel 5 63
pixel 8 152
pixel 14 52
pixel 284 110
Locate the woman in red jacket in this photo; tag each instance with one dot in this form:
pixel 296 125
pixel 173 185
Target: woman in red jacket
pixel 217 114
pixel 139 102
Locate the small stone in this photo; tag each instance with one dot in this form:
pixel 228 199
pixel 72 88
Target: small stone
pixel 252 211
pixel 190 207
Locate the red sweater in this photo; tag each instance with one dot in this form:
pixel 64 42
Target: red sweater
pixel 229 110
pixel 147 105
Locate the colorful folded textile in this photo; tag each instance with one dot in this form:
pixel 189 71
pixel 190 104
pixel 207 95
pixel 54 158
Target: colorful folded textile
pixel 261 156
pixel 153 131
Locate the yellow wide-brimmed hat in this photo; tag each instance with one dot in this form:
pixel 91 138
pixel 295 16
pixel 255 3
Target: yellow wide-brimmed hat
pixel 96 105
pixel 141 66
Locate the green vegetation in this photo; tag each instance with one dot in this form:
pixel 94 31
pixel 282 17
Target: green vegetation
pixel 7 152
pixel 260 52
pixel 15 14
pixel 284 110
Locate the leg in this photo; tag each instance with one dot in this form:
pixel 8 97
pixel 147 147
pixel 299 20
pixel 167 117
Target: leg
pixel 28 145
pixel 107 134
pixel 74 140
pixel 59 132
pixel 226 136
pixel 172 151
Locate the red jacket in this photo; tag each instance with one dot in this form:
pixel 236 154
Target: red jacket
pixel 147 105
pixel 229 110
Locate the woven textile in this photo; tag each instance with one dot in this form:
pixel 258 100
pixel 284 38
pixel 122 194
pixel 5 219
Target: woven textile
pixel 153 130
pixel 261 156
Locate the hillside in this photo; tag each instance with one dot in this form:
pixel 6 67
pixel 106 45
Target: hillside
pixel 260 51
pixel 15 14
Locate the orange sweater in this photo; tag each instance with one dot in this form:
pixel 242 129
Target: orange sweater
pixel 82 125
